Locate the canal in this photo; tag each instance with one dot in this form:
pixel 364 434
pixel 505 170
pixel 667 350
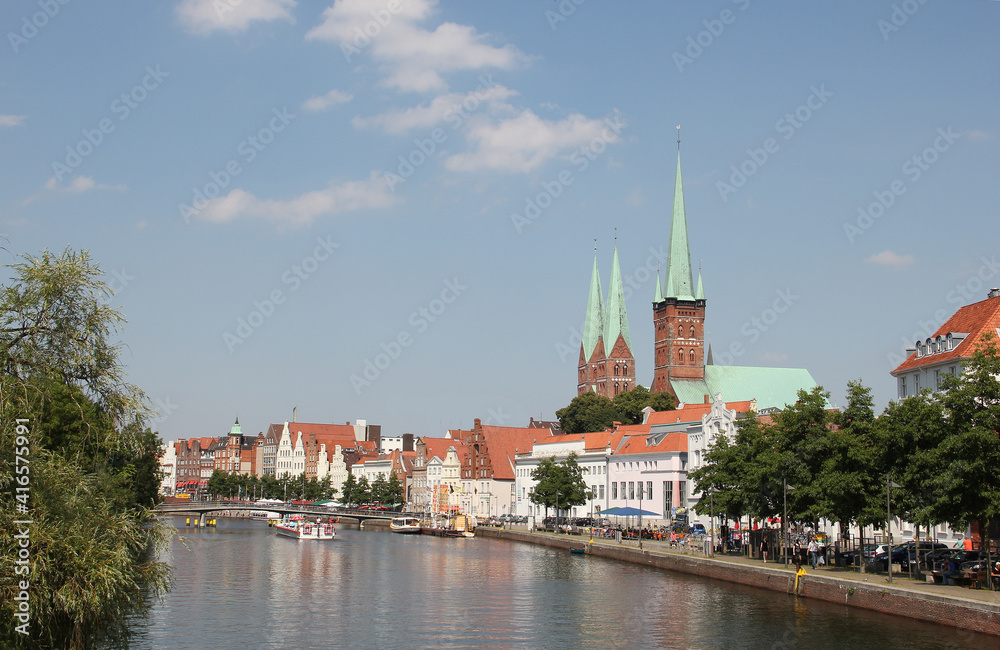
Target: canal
pixel 240 586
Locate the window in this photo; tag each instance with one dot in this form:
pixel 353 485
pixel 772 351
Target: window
pixel 680 492
pixel 937 379
pixel 614 490
pixel 680 356
pixel 640 490
pixel 692 356
pixel 649 490
pixel 902 386
pixel 625 369
pixel 916 383
pixel 631 490
pixel 668 497
pixel 692 332
pixel 601 487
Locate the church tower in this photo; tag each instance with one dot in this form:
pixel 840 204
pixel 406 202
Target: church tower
pixel 607 365
pixel 592 358
pixel 620 364
pixel 678 311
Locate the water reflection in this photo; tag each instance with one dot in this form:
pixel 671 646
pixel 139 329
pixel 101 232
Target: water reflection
pixel 240 585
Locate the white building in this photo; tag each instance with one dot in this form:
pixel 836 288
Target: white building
pixel 168 465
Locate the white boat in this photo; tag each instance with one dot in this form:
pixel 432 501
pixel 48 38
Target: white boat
pixel 405 525
pixel 299 528
pixel 266 515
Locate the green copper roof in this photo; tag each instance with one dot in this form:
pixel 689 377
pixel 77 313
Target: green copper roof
pixel 593 323
pixel 679 265
pixel 658 296
pixel 771 387
pixel 700 294
pixel 616 318
pixel 236 430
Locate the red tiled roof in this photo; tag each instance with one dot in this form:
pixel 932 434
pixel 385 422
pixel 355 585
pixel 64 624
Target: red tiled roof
pixel 504 441
pixel 975 320
pixel 675 441
pixel 439 447
pixel 692 413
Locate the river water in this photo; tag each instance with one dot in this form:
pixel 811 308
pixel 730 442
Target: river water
pixel 241 586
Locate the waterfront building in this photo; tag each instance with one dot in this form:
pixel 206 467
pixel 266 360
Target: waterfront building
pixel 593 452
pixel 168 469
pixel 945 351
pixel 607 365
pixel 265 449
pixel 487 474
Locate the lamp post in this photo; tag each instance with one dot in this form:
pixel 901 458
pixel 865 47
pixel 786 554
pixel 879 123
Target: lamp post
pixel 888 525
pixel 711 504
pixel 640 515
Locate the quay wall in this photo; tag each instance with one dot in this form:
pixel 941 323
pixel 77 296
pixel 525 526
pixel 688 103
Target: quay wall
pixel 963 613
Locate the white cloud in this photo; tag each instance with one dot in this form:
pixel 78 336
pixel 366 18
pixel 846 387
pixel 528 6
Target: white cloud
pixel 301 210
pixel 332 98
pixel 206 16
pixel 11 120
pixel 978 135
pixel 522 143
pixel 889 258
pixel 453 108
pixel 80 184
pixel 412 58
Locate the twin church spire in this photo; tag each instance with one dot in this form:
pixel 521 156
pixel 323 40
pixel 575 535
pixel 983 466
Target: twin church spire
pixel 607 366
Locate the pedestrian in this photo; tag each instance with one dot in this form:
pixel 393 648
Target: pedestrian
pixel 763 547
pixel 967 544
pixel 813 552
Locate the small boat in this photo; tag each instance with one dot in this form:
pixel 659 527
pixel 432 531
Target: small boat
pixel 405 525
pixel 299 528
pixel 578 550
pixel 461 526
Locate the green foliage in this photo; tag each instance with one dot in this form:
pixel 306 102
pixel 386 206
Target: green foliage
pixel 394 491
pixel 93 468
pixel 559 485
pixel 593 412
pixel 350 490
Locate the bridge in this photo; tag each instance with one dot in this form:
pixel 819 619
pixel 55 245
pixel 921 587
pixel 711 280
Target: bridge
pixel 202 509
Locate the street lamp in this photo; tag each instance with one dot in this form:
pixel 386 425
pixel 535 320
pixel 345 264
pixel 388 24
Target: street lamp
pixel 888 526
pixel 784 523
pixel 557 512
pixel 711 533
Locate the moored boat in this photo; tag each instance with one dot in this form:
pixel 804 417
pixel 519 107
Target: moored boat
pixel 300 528
pixel 405 525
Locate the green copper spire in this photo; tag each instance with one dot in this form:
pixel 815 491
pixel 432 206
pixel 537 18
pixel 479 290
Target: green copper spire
pixel 658 296
pixel 236 430
pixel 593 323
pixel 700 294
pixel 679 266
pixel 617 319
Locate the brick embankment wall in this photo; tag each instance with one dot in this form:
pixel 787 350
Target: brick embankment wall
pixel 963 613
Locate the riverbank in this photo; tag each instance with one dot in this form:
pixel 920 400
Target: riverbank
pixel 965 609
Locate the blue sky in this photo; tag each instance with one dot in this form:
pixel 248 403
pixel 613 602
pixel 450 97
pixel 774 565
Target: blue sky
pixel 281 191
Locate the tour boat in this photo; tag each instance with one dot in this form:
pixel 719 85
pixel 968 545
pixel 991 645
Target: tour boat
pixel 405 525
pixel 299 528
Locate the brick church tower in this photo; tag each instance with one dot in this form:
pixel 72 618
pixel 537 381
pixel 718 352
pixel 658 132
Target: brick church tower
pixel 607 365
pixel 678 313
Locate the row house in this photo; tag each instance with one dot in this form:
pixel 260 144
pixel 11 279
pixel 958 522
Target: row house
pixel 434 487
pixel 168 470
pixel 195 463
pixel 487 473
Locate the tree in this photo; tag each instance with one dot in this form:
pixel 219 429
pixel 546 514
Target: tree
pixel 588 412
pixel 363 492
pixel 379 490
pixel 394 490
pixel 349 490
pixel 559 485
pixel 65 401
pixel 631 403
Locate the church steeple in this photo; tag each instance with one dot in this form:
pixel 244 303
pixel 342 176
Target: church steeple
pixel 700 294
pixel 593 322
pixel 658 296
pixel 616 318
pixel 679 265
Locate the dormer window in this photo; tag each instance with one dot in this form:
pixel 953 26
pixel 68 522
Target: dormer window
pixel 920 351
pixel 950 342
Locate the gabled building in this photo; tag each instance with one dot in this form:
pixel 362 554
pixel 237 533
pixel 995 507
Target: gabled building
pixel 945 351
pixel 607 365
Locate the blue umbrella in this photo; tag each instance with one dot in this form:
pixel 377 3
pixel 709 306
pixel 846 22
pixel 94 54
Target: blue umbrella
pixel 628 512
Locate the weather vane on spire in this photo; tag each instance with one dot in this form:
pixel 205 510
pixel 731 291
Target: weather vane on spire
pixel 678 137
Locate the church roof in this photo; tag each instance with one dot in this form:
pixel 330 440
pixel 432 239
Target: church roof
pixel 616 318
pixel 593 323
pixel 679 262
pixel 771 387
